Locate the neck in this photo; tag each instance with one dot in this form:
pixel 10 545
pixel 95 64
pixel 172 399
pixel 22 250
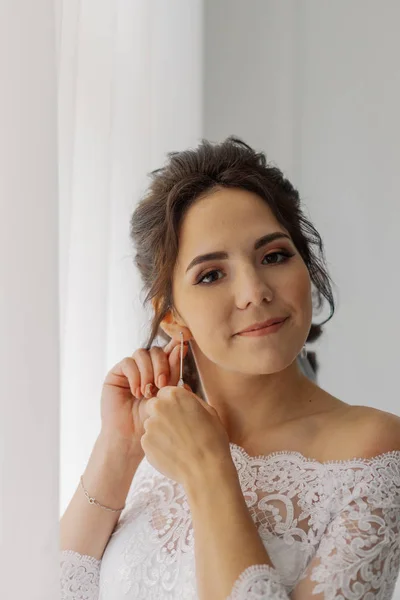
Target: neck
pixel 252 404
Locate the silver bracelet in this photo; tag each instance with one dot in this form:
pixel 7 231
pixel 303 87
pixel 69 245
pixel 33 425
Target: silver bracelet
pixel 94 501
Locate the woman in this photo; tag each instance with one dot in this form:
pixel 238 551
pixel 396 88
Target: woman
pixel 249 480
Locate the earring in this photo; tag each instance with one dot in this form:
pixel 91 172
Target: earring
pixel 181 382
pixel 303 353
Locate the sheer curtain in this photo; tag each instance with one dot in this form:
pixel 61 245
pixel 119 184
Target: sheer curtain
pixel 130 90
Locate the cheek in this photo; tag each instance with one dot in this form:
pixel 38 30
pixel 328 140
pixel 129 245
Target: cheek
pixel 298 291
pixel 305 299
pixel 304 289
pixel 209 324
pixel 202 317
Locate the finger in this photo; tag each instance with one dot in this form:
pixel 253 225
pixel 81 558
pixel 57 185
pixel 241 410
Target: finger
pixel 170 346
pixel 124 374
pixel 187 387
pixel 145 366
pixel 174 360
pixel 151 407
pixel 160 366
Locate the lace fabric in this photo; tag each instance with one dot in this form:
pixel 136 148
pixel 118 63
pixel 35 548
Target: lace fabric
pixel 331 530
pixel 79 576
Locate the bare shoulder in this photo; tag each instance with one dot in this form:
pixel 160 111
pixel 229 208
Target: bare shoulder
pixel 347 431
pixel 379 430
pixel 365 432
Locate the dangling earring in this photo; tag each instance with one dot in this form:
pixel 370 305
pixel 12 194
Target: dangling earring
pixel 181 382
pixel 303 353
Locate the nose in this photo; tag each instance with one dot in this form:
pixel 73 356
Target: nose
pixel 252 288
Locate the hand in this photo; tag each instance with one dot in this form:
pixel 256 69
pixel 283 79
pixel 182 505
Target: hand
pixel 183 434
pixel 122 399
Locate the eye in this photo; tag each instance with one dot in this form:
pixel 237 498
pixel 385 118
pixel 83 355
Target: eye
pixel 201 280
pixel 283 253
pixel 286 255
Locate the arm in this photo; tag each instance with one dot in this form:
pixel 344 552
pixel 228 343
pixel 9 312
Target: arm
pixel 86 528
pixel 226 538
pixel 358 556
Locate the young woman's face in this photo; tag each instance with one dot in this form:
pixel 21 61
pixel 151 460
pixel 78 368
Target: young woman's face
pixel 219 297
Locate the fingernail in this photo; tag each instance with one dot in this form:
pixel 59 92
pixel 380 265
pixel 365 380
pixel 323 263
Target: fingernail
pixel 148 390
pixel 161 381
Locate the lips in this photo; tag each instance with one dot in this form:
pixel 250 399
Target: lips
pixel 268 323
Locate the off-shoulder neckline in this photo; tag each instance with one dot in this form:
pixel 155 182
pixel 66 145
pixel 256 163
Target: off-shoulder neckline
pixel 306 459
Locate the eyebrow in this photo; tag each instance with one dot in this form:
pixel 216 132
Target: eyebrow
pixel 262 241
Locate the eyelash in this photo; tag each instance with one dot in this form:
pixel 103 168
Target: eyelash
pixel 284 253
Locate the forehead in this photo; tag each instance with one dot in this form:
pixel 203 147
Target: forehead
pixel 212 220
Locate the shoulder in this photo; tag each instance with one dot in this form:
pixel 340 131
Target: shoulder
pixel 371 431
pixel 352 431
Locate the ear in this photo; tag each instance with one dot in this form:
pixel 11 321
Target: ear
pixel 173 327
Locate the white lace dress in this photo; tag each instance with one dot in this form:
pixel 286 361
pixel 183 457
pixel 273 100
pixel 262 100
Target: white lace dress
pixel 335 524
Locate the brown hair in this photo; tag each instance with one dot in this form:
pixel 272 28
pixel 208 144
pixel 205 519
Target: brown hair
pixel 189 174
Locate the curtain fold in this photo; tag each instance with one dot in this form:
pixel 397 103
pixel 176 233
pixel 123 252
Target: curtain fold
pixel 130 90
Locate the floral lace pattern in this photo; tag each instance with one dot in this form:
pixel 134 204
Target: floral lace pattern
pixel 329 528
pixel 258 582
pixel 79 576
pixel 358 556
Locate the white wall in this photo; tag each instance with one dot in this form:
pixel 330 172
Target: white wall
pixel 316 84
pixel 29 358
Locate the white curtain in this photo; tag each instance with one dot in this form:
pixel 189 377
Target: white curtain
pixel 130 90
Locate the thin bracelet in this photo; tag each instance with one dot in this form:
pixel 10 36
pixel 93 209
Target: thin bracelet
pixel 94 501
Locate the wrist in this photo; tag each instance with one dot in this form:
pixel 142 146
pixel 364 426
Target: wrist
pixel 110 470
pixel 215 478
pixel 116 447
